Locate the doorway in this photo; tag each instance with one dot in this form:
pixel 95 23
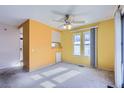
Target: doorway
pixel 21 45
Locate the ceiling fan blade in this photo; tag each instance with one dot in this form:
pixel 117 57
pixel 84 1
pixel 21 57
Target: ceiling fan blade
pixel 77 22
pixel 60 26
pixel 59 13
pixel 71 10
pixel 61 21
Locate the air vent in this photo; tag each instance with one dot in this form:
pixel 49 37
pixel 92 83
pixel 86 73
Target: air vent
pixel 80 65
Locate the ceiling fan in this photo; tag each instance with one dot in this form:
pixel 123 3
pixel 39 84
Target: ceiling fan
pixel 68 19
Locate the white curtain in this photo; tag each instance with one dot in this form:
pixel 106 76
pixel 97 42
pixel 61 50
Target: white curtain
pixel 118 50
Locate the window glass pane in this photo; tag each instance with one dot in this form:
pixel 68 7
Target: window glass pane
pixel 76 44
pixel 86 50
pixel 86 36
pixel 76 39
pixel 87 42
pixel 76 49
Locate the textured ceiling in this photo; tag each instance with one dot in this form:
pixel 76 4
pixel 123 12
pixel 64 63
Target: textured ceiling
pixel 15 15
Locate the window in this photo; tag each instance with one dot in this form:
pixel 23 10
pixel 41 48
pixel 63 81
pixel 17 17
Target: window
pixel 76 44
pixel 86 36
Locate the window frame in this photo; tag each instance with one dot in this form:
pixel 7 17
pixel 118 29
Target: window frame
pixel 84 44
pixel 76 44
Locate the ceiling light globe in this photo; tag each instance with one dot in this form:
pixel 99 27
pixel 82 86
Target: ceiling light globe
pixel 69 27
pixel 64 27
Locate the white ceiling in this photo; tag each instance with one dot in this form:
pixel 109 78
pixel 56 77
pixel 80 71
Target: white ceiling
pixel 15 15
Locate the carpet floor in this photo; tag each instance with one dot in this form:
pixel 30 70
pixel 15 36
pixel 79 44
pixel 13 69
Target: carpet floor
pixel 61 75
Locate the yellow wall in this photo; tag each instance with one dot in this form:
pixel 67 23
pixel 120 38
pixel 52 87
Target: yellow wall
pixel 67 50
pixel 40 52
pixel 26 45
pixel 105 46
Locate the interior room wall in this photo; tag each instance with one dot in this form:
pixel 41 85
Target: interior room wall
pixel 37 40
pixel 67 50
pixel 105 40
pixel 106 45
pixel 9 45
pixel 26 45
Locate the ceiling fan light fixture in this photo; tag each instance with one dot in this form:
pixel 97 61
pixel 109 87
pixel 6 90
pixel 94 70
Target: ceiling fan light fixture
pixel 67 26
